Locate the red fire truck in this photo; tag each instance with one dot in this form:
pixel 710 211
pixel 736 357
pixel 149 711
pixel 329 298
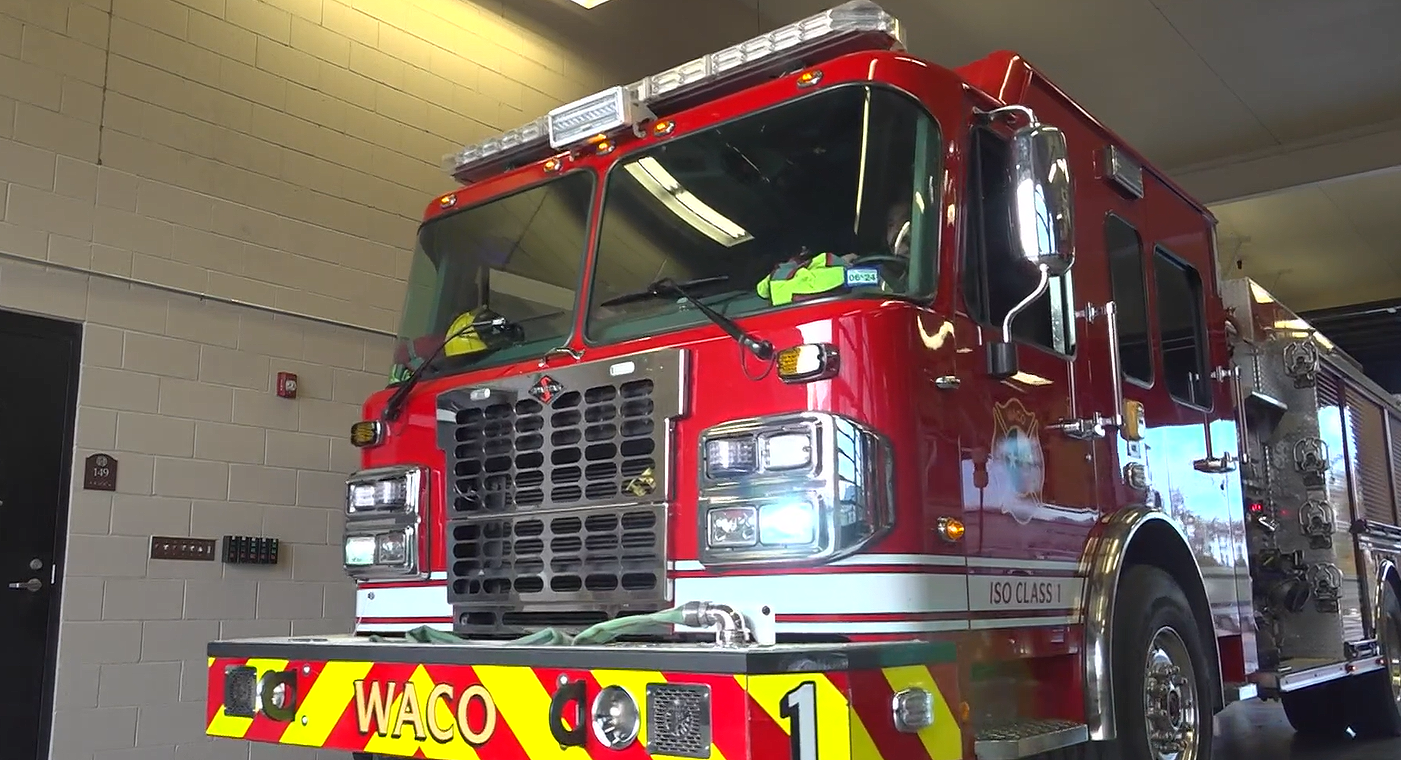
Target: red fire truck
pixel 813 399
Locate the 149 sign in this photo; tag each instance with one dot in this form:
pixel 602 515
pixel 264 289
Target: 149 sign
pixel 100 473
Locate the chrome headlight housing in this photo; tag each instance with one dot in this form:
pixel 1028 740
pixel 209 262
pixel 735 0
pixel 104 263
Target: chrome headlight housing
pixel 384 537
pixel 801 487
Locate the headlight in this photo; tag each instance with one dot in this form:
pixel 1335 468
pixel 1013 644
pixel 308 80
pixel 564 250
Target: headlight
pixel 729 456
pixel 385 493
pixel 385 489
pixel 804 487
pixel 787 523
pixel 387 553
pixel 786 451
pixel 733 526
pixel 384 509
pixel 359 551
pixel 391 548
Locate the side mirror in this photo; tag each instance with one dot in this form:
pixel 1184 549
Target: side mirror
pixel 1042 222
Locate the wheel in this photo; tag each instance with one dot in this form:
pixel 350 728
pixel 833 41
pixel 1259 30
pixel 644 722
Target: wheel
pixel 1375 698
pixel 1318 710
pixel 1162 676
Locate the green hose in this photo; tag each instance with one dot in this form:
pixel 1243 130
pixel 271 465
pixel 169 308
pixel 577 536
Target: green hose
pixel 547 637
pixel 602 633
pixel 599 633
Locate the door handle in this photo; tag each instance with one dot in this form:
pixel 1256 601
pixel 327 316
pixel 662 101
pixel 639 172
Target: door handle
pixel 1096 425
pixel 31 585
pixel 1216 465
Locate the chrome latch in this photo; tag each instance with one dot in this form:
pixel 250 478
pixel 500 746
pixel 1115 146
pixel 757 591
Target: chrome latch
pixel 1083 430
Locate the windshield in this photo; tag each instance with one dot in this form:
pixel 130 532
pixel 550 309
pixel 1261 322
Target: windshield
pixel 832 194
pixel 497 281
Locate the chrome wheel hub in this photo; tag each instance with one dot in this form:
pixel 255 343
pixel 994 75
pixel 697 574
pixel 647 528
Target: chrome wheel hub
pixel 1170 705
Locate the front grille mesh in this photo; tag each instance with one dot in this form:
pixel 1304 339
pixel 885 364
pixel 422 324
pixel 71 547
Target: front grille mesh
pixel 678 720
pixel 556 493
pixel 558 556
pixel 579 448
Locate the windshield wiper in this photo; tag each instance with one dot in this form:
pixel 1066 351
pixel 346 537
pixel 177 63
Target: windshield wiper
pixel 395 404
pixel 669 288
pixel 651 291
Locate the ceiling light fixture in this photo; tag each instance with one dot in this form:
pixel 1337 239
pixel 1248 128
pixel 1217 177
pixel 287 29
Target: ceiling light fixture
pixel 660 183
pixel 590 3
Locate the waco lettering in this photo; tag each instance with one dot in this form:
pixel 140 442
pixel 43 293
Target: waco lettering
pixel 376 711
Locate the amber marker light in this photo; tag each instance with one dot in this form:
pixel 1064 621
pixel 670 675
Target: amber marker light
pixel 808 362
pixel 366 433
pixel 810 77
pixel 951 529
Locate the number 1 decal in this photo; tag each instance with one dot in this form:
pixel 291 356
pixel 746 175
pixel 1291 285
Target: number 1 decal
pixel 799 707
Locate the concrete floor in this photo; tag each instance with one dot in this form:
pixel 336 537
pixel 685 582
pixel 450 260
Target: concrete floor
pixel 1256 730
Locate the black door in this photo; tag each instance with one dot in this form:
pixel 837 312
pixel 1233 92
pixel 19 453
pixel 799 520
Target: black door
pixel 38 398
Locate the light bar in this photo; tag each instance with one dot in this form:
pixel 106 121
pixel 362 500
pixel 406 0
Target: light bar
pixel 598 114
pixel 849 27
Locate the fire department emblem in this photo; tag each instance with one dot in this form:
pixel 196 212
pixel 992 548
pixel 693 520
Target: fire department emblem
pixel 545 389
pixel 1017 460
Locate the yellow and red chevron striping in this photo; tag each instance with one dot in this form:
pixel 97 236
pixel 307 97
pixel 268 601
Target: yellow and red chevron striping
pixel 360 706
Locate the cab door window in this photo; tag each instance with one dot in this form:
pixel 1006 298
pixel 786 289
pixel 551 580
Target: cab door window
pixel 995 277
pixel 1181 310
pixel 1129 289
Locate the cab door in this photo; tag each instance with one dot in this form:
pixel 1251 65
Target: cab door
pixel 1192 439
pixel 1029 489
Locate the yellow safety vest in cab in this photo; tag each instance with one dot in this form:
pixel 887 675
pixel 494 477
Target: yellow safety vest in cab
pixel 822 274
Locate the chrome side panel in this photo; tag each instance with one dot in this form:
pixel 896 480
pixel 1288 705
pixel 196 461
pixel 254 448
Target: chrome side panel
pixel 1102 566
pixel 1310 580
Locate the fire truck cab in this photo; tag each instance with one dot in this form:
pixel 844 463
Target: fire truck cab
pixel 810 398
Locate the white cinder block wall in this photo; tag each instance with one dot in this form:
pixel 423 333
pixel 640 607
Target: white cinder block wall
pixel 276 153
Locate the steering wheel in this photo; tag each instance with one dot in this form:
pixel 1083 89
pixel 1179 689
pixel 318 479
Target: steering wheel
pixel 901 262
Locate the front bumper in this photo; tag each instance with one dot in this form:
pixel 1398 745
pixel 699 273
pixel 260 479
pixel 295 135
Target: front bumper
pixel 504 702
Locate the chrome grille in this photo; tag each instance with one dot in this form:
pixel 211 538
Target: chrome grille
pixel 609 555
pixel 678 719
pixel 578 448
pixel 556 492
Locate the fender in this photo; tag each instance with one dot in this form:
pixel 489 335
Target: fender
pixel 1105 556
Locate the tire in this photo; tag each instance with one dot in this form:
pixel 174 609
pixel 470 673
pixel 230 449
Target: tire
pixel 1319 711
pixel 1375 698
pixel 1162 674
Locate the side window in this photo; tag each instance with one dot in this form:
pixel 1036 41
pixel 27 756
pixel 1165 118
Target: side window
pixel 1130 292
pixel 995 277
pixel 1180 318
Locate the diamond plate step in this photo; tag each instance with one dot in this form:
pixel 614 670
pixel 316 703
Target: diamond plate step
pixel 1026 738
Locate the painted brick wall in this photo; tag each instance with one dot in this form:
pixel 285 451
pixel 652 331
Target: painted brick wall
pixel 280 152
pixel 179 391
pixel 277 153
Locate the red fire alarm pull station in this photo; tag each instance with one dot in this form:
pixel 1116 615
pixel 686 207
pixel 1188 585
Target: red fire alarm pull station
pixel 286 385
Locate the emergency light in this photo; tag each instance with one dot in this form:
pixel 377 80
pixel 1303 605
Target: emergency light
pixel 851 26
